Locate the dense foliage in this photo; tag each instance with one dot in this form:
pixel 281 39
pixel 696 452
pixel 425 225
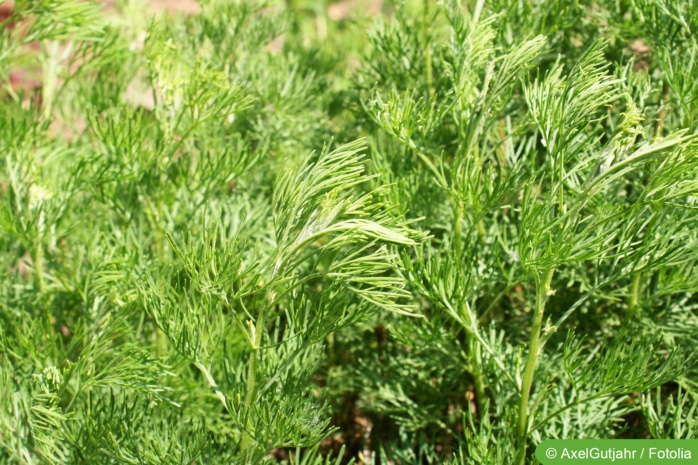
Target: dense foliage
pixel 257 233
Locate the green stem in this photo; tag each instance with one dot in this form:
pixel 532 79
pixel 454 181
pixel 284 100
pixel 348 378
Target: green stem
pixel 427 48
pixel 39 267
pixel 634 295
pixel 471 341
pixel 457 228
pixel 478 380
pixel 542 293
pixel 246 443
pixel 292 6
pixel 51 69
pixel 474 346
pixel 161 341
pixel 321 24
pixel 481 231
pixel 478 11
pixel 41 284
pixel 331 353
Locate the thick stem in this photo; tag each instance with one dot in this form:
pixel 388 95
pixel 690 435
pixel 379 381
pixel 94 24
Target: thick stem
pixel 41 284
pixel 331 353
pixel 39 267
pixel 478 380
pixel 481 231
pixel 39 253
pixel 292 6
pixel 161 341
pixel 662 110
pixel 634 295
pixel 50 73
pixel 457 228
pixel 427 52
pixel 251 394
pixel 542 293
pixel 38 259
pixel 478 11
pixel 475 355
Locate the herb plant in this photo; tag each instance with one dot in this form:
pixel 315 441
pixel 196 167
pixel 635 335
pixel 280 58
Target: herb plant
pixel 258 234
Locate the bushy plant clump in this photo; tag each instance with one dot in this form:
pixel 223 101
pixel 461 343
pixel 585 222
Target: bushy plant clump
pixel 256 233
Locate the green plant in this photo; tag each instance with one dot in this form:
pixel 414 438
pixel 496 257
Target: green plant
pixel 256 234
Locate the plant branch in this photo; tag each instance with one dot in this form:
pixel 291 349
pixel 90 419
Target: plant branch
pixel 251 392
pixel 542 293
